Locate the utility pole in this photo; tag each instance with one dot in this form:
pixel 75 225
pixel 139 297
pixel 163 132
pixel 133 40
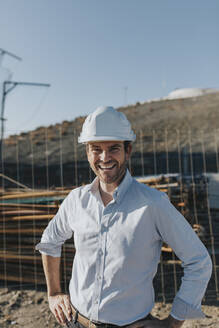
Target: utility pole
pixel 11 85
pixel 8 86
pixel 5 74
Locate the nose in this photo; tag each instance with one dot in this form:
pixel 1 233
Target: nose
pixel 105 156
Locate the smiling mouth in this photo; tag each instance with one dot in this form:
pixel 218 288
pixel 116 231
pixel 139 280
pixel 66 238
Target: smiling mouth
pixel 106 167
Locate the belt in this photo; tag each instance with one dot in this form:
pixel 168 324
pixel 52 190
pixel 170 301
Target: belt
pixel 89 323
pixel 95 324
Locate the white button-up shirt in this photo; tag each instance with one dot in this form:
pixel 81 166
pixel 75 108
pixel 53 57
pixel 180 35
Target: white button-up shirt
pixel 118 249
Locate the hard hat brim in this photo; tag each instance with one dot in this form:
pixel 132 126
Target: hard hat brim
pixel 105 138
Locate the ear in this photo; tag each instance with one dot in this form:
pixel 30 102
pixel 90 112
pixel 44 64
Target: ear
pixel 87 148
pixel 128 152
pixel 87 151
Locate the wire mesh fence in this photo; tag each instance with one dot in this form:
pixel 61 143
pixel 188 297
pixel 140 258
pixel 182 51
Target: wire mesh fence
pixel 186 167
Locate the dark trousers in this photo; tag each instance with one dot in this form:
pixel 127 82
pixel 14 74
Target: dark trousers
pixel 73 324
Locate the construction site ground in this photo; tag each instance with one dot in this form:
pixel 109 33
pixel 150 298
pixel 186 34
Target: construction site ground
pixel 29 309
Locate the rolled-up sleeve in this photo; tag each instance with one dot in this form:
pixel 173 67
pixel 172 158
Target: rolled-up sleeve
pixel 177 232
pixel 57 231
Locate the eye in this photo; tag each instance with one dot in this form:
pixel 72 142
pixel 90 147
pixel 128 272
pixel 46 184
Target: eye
pixel 115 149
pixel 96 150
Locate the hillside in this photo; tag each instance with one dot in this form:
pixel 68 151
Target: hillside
pixel 165 124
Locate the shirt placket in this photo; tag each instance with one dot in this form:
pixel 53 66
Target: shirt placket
pixel 100 260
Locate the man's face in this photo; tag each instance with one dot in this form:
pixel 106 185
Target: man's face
pixel 108 160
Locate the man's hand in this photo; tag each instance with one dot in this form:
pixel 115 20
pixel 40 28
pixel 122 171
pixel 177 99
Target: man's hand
pixel 59 303
pixel 60 306
pixel 169 322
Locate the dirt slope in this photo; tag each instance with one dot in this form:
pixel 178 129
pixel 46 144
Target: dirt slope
pixel 155 121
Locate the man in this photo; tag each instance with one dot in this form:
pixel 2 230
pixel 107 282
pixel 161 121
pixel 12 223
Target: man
pixel 119 226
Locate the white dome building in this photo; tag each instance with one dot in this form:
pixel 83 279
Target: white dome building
pixel 189 92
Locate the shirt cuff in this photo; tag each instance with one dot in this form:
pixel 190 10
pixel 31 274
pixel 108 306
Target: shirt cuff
pixel 49 249
pixel 183 311
pixel 175 317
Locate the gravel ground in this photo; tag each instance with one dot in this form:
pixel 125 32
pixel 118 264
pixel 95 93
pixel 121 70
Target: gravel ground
pixel 29 309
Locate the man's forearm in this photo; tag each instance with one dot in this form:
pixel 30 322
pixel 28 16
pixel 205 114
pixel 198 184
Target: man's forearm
pixel 51 266
pixel 59 302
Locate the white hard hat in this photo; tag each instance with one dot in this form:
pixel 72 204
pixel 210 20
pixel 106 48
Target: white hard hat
pixel 106 124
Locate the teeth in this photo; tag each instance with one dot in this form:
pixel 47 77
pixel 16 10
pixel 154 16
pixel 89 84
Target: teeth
pixel 106 167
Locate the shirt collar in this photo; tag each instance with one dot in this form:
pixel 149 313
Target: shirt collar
pixel 123 187
pixel 94 186
pixel 119 191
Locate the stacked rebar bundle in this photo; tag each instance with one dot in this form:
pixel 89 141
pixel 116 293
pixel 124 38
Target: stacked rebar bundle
pixel 21 227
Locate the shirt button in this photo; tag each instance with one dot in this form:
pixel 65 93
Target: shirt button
pixel 100 252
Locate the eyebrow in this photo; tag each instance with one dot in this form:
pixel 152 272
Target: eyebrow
pixel 98 147
pixel 116 145
pixel 94 146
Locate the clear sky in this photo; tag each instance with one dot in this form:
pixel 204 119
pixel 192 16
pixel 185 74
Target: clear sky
pixel 104 52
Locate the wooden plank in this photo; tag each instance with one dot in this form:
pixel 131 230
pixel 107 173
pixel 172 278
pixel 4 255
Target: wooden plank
pixel 33 217
pixel 21 231
pixel 6 205
pixel 171 262
pixel 36 194
pixel 11 256
pixel 166 185
pixel 180 204
pixel 11 277
pixel 20 211
pixel 4 219
pixel 14 181
pixel 167 249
